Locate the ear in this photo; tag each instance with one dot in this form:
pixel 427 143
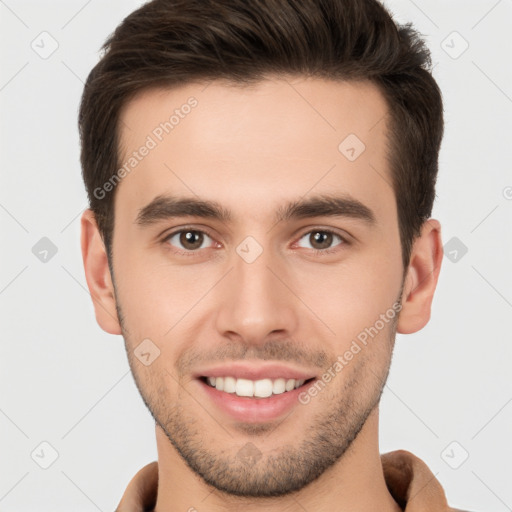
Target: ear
pixel 97 274
pixel 421 279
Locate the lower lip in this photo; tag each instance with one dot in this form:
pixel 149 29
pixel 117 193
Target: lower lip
pixel 254 410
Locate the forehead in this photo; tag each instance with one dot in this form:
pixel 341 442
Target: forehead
pixel 261 142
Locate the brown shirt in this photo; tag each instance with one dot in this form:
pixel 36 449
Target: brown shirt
pixel 409 480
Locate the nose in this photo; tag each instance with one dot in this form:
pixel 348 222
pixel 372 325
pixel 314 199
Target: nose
pixel 256 300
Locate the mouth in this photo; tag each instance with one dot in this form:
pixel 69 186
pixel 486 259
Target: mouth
pixel 262 388
pixel 251 401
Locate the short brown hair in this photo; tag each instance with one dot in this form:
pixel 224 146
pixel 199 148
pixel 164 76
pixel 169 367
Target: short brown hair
pixel 168 43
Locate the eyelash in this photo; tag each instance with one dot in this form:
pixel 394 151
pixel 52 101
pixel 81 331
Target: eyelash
pixel 317 252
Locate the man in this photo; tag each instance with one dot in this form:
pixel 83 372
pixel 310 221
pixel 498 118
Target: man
pixel 261 177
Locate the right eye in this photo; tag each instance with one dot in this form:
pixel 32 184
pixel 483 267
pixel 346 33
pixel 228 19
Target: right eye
pixel 187 240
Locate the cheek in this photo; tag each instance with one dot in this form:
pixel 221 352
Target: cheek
pixel 155 295
pixel 350 296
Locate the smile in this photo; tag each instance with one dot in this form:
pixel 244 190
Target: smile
pixel 262 388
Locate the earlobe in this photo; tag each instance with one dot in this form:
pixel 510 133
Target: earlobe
pixel 421 279
pixel 97 274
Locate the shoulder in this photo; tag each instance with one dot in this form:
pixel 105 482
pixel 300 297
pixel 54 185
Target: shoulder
pixel 141 491
pixel 407 474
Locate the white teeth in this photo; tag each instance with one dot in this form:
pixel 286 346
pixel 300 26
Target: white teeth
pixel 262 388
pixel 229 384
pixel 244 387
pixel 279 386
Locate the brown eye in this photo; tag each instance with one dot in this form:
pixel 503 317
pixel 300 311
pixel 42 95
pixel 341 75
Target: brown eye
pixel 321 240
pixel 187 239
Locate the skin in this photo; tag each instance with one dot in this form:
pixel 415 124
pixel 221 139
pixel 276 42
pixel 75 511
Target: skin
pixel 253 149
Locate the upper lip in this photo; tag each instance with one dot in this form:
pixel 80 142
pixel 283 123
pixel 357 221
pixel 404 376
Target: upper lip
pixel 245 370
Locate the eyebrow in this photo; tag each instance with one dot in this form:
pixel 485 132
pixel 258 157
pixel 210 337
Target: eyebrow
pixel 164 207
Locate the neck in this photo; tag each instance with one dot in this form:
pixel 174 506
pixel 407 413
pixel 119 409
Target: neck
pixel 356 483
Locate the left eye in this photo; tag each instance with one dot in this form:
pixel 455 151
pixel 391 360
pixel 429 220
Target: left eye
pixel 322 238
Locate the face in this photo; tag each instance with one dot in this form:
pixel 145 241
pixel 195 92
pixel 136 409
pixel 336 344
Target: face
pixel 243 280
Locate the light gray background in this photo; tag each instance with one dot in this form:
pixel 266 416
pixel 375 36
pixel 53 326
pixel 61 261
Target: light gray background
pixel 67 383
